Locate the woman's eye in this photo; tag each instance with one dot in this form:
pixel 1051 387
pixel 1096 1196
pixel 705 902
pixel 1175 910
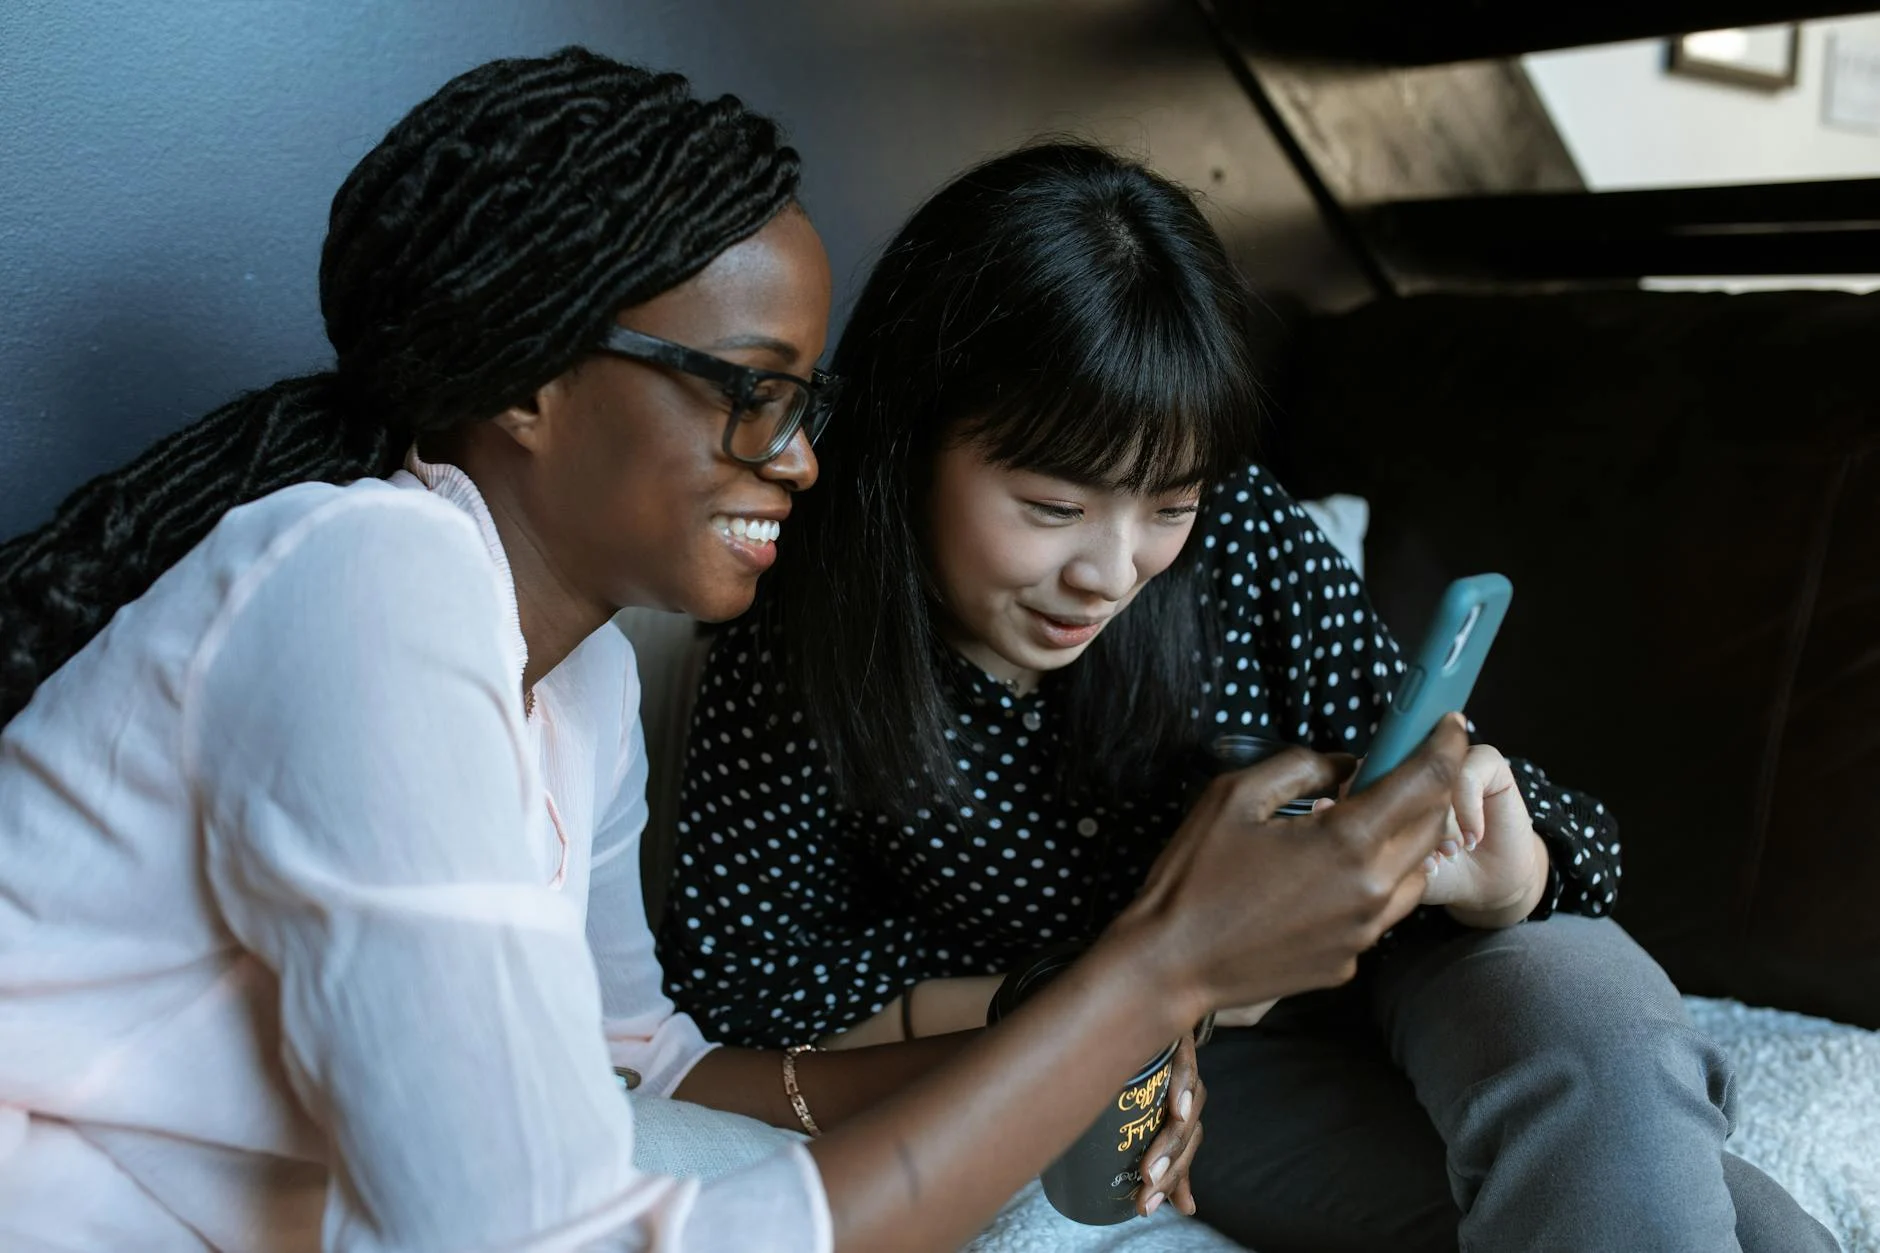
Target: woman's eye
pixel 766 402
pixel 1055 513
pixel 1179 513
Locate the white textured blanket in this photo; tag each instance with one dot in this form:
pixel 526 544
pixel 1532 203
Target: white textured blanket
pixel 1809 1114
pixel 1809 1110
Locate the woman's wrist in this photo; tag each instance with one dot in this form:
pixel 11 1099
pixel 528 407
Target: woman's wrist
pixel 1136 959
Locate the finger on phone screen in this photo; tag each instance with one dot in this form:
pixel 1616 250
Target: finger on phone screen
pixel 1403 813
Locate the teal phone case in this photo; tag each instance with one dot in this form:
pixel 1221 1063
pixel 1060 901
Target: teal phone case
pixel 1442 673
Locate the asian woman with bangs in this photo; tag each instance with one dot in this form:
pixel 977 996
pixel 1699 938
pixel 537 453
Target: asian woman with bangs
pixel 964 715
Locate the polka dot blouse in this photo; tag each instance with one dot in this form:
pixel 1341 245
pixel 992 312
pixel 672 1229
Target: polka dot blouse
pixel 791 917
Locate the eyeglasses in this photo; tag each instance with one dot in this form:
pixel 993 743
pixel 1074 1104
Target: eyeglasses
pixel 768 407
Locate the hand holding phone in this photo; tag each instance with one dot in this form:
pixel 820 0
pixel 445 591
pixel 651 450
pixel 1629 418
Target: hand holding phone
pixel 1441 674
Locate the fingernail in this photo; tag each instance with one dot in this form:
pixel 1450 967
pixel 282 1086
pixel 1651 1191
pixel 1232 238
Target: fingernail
pixel 1470 839
pixel 1186 1103
pixel 1449 848
pixel 1158 1168
pixel 1150 1207
pixel 1429 866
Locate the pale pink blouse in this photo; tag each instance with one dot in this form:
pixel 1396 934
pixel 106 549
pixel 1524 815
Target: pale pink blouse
pixel 309 938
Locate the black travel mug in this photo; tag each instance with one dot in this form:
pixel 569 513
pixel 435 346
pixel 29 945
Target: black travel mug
pixel 1226 753
pixel 1095 1180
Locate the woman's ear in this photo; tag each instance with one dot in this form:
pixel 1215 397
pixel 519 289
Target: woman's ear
pixel 527 423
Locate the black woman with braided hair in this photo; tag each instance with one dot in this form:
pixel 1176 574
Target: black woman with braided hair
pixel 323 778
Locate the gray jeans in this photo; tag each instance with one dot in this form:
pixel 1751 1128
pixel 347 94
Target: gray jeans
pixel 1538 1088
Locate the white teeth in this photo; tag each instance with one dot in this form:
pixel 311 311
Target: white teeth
pixel 758 530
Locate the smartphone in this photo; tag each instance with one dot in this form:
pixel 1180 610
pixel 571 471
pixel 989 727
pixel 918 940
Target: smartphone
pixel 1442 673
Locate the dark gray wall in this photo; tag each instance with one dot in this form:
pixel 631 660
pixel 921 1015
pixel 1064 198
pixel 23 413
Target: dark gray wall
pixel 165 168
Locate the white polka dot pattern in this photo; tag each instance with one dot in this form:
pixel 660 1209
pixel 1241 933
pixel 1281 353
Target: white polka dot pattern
pixel 789 918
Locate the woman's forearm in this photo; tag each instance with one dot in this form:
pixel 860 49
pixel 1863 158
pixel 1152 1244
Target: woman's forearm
pixel 837 1085
pixel 931 1007
pixel 943 1005
pixel 914 1143
pixel 941 1155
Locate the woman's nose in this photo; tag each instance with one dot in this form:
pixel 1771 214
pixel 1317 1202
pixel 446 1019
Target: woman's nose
pixel 795 467
pixel 1106 568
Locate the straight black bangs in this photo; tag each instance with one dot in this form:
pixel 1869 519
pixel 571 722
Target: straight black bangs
pixel 1110 349
pixel 1154 418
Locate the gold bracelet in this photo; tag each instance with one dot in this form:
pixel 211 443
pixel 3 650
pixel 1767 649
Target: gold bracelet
pixel 795 1093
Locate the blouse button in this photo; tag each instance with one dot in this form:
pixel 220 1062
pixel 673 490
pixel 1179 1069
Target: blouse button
pixel 1087 826
pixel 1031 720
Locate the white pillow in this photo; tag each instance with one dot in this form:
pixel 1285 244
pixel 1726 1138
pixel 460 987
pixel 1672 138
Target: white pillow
pixel 1344 519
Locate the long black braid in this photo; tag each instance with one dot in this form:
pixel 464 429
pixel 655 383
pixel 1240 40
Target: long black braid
pixel 476 253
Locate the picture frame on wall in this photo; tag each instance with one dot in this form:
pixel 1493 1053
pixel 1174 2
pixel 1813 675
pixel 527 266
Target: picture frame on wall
pixel 1763 58
pixel 1850 94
